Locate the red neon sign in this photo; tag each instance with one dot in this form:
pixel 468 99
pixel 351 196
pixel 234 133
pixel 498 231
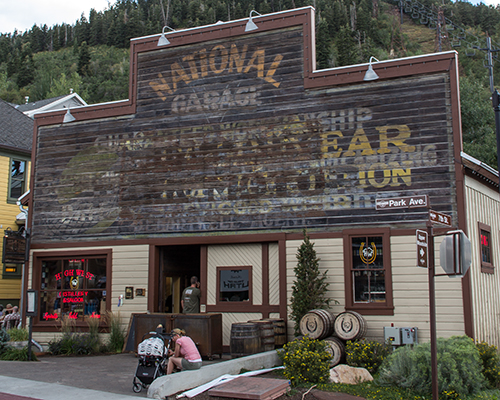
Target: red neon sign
pixel 72 315
pixel 74 272
pixel 484 240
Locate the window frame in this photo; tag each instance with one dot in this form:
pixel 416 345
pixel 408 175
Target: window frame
pixel 238 304
pixel 40 257
pixel 486 267
pixel 376 308
pixel 24 181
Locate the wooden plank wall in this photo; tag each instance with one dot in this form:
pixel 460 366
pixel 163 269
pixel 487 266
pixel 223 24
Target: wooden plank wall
pixel 226 139
pixel 483 205
pixel 9 288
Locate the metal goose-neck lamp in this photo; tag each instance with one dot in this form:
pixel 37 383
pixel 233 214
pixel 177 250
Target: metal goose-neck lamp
pixel 250 24
pixel 370 74
pixel 163 41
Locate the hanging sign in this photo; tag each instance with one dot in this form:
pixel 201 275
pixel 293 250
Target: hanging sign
pixel 14 248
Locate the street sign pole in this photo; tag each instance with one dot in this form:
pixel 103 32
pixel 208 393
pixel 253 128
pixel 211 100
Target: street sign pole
pixel 432 311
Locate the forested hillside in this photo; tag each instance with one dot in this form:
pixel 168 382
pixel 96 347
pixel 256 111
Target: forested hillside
pixel 91 56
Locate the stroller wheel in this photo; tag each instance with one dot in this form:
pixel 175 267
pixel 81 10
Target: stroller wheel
pixel 137 387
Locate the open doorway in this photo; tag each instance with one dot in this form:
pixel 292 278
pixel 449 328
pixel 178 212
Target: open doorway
pixel 177 265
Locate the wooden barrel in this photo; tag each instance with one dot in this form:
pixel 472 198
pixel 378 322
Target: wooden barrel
pixel 245 339
pixel 266 333
pixel 317 324
pixel 336 348
pixel 350 325
pixel 279 326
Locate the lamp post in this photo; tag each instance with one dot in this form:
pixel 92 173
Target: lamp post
pixel 495 99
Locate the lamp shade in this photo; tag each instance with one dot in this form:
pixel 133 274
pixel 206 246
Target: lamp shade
pixel 68 117
pixel 163 41
pixel 250 26
pixel 370 74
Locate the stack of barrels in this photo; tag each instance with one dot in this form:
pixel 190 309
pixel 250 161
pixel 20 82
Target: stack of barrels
pixel 334 330
pixel 256 336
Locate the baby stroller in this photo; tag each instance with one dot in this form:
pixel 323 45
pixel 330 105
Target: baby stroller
pixel 153 358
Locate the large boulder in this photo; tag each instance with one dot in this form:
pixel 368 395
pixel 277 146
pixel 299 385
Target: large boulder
pixel 351 375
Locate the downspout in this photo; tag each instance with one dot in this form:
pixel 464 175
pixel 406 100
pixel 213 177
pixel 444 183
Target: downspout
pixel 26 234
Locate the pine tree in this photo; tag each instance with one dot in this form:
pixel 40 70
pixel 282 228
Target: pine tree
pixel 310 287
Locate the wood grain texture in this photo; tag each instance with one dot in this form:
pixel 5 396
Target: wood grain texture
pixel 226 139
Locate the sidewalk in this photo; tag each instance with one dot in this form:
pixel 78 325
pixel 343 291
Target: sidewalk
pixel 106 377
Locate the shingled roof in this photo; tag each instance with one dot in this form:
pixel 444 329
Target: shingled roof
pixel 38 104
pixel 16 129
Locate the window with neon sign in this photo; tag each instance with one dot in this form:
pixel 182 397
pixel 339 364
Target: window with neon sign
pixel 368 269
pixel 75 287
pixel 486 249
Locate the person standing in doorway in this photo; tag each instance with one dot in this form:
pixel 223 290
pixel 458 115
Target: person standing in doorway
pixel 191 297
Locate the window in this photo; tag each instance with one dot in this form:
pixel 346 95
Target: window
pixel 234 284
pixel 367 272
pixel 74 286
pixel 485 246
pixel 17 179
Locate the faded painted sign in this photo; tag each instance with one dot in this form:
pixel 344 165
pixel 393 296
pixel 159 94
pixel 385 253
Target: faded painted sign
pixel 226 138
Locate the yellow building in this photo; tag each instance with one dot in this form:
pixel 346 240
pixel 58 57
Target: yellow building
pixel 16 135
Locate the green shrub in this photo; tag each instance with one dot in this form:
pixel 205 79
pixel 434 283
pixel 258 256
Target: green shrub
pixel 4 338
pixel 367 354
pixel 13 354
pixel 72 344
pixel 490 361
pixel 306 361
pixel 93 324
pixel 459 368
pixel 18 335
pixel 116 333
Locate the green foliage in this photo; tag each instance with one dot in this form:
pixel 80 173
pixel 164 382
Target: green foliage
pixel 310 287
pixel 116 334
pixel 74 344
pixel 459 368
pixel 305 361
pixel 4 338
pixel 13 354
pixel 18 335
pixel 367 354
pixel 490 363
pixel 478 120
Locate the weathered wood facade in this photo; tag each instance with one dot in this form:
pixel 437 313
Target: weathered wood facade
pixel 230 144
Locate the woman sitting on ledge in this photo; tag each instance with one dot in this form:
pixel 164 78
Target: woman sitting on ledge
pixel 186 354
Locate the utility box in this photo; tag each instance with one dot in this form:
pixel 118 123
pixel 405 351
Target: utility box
pixel 400 336
pixel 392 335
